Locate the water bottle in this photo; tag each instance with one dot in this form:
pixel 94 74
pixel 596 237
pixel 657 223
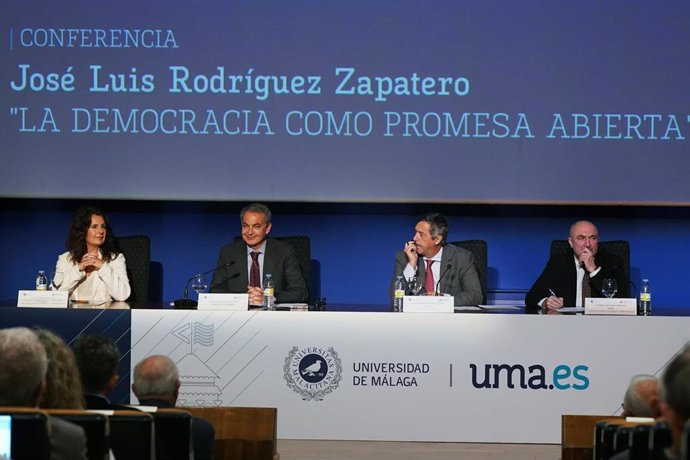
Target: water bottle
pixel 41 281
pixel 399 293
pixel 268 292
pixel 645 307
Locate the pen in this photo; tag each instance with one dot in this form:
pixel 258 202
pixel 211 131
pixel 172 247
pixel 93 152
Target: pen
pixel 553 293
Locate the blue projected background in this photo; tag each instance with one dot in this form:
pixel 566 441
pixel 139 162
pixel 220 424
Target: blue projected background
pixel 357 101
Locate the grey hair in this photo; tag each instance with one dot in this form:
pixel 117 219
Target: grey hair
pixel 438 225
pixel 24 365
pixel 634 401
pixel 159 379
pixel 257 207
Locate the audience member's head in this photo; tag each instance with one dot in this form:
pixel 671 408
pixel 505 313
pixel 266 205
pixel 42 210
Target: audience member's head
pixel 63 384
pixel 674 393
pixel 642 397
pixel 97 359
pixel 23 362
pixel 156 377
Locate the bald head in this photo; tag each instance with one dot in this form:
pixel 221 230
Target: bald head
pixel 156 377
pixel 583 235
pixel 642 397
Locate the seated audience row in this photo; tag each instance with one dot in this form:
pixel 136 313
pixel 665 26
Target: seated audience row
pixel 40 370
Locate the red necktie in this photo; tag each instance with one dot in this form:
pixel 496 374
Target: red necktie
pixel 429 278
pixel 255 273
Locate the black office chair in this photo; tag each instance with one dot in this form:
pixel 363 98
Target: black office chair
pixel 659 439
pixel 95 427
pixel 132 435
pixel 479 250
pixel 137 252
pixel 173 434
pixel 30 433
pixel 302 248
pixel 620 248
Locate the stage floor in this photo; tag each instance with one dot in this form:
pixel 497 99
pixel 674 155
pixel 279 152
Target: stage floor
pixel 371 450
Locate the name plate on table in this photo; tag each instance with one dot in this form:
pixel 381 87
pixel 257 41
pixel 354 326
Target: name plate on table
pixel 225 302
pixel 43 299
pixel 428 304
pixel 604 306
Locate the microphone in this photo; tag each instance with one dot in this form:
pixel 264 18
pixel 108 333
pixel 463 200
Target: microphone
pixel 440 278
pixel 186 303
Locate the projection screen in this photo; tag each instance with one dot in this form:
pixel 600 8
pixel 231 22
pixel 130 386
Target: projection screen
pixel 487 101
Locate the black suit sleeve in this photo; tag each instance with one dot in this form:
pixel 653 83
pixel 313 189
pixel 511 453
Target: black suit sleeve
pixel 293 288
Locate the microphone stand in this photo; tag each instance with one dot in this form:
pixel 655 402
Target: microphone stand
pixel 440 278
pixel 186 303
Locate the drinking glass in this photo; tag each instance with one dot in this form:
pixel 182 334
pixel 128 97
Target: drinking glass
pixel 199 283
pixel 413 284
pixel 609 287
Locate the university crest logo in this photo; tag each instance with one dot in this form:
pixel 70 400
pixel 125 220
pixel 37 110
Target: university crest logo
pixel 312 372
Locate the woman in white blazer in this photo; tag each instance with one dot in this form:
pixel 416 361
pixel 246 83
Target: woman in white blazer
pixel 92 271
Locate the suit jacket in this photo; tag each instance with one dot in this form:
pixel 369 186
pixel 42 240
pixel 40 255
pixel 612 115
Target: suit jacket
pixel 67 440
pixel 203 433
pixel 100 402
pixel 279 260
pixel 560 276
pixel 460 280
pixel 110 281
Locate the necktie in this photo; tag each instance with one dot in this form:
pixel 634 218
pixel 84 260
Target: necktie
pixel 255 273
pixel 586 288
pixel 429 278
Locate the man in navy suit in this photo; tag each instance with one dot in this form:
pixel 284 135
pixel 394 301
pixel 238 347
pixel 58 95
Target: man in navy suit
pixel 98 359
pixel 156 382
pixel 563 280
pixel 439 267
pixel 245 262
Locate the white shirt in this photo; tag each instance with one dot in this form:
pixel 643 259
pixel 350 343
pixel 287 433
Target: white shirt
pixel 409 272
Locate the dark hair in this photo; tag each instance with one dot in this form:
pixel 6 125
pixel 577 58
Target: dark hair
pixel 97 359
pixel 76 241
pixel 438 225
pixel 675 382
pixel 257 207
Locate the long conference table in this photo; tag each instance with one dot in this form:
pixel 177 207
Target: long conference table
pixel 350 375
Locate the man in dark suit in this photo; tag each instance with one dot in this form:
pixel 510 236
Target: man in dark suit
pixel 156 382
pixel 24 364
pixel 429 258
pixel 569 278
pixel 97 359
pixel 247 261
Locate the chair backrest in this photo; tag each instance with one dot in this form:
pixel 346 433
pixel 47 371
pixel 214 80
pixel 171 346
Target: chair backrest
pixel 30 433
pixel 659 439
pixel 173 434
pixel 620 248
pixel 302 247
pixel 479 249
pixel 639 442
pixel 132 435
pixel 96 428
pixel 137 252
